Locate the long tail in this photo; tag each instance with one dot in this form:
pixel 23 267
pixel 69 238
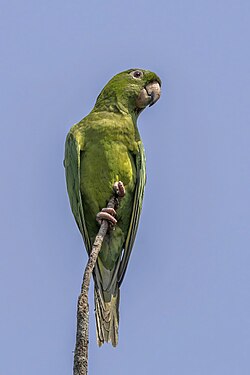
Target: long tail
pixel 107 315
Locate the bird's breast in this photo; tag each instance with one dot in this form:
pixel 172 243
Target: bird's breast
pixel 102 164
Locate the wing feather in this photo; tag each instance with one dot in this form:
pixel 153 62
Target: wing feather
pixel 136 212
pixel 72 170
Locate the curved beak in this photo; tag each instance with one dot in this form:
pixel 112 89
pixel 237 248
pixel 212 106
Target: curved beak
pixel 154 91
pixel 149 95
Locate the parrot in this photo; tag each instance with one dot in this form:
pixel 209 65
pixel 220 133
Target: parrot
pixel 102 149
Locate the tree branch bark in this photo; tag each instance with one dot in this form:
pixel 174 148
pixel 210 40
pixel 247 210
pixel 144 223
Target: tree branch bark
pixel 82 330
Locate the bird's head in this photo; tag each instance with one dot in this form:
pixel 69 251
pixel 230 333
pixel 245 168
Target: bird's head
pixel 130 91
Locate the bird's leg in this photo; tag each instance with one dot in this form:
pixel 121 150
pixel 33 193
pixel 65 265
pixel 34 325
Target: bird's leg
pixel 109 213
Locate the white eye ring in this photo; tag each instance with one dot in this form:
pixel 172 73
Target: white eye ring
pixel 137 74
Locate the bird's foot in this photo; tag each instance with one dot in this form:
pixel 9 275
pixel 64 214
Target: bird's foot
pixel 119 189
pixel 108 214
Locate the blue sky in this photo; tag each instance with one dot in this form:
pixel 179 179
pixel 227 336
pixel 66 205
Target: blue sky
pixel 185 303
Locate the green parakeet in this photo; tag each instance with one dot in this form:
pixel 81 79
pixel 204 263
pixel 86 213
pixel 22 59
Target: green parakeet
pixel 103 148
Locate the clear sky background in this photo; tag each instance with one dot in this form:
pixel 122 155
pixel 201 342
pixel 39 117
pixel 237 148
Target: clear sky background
pixel 185 300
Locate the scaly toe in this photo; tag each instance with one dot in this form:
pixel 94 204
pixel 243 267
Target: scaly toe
pixel 105 216
pixel 109 210
pixel 119 189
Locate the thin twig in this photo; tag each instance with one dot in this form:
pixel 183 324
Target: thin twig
pixel 82 330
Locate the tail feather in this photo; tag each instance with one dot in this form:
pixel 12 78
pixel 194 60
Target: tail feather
pixel 107 316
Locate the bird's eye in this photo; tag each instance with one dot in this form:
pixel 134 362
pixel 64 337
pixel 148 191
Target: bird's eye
pixel 137 74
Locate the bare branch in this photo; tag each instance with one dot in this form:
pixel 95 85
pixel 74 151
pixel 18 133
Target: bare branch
pixel 82 330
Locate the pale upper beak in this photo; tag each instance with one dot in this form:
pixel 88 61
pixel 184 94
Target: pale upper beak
pixel 149 95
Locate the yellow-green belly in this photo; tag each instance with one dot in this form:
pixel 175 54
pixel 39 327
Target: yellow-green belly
pixel 102 164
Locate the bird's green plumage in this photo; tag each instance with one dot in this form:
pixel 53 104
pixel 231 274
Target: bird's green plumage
pixel 101 149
